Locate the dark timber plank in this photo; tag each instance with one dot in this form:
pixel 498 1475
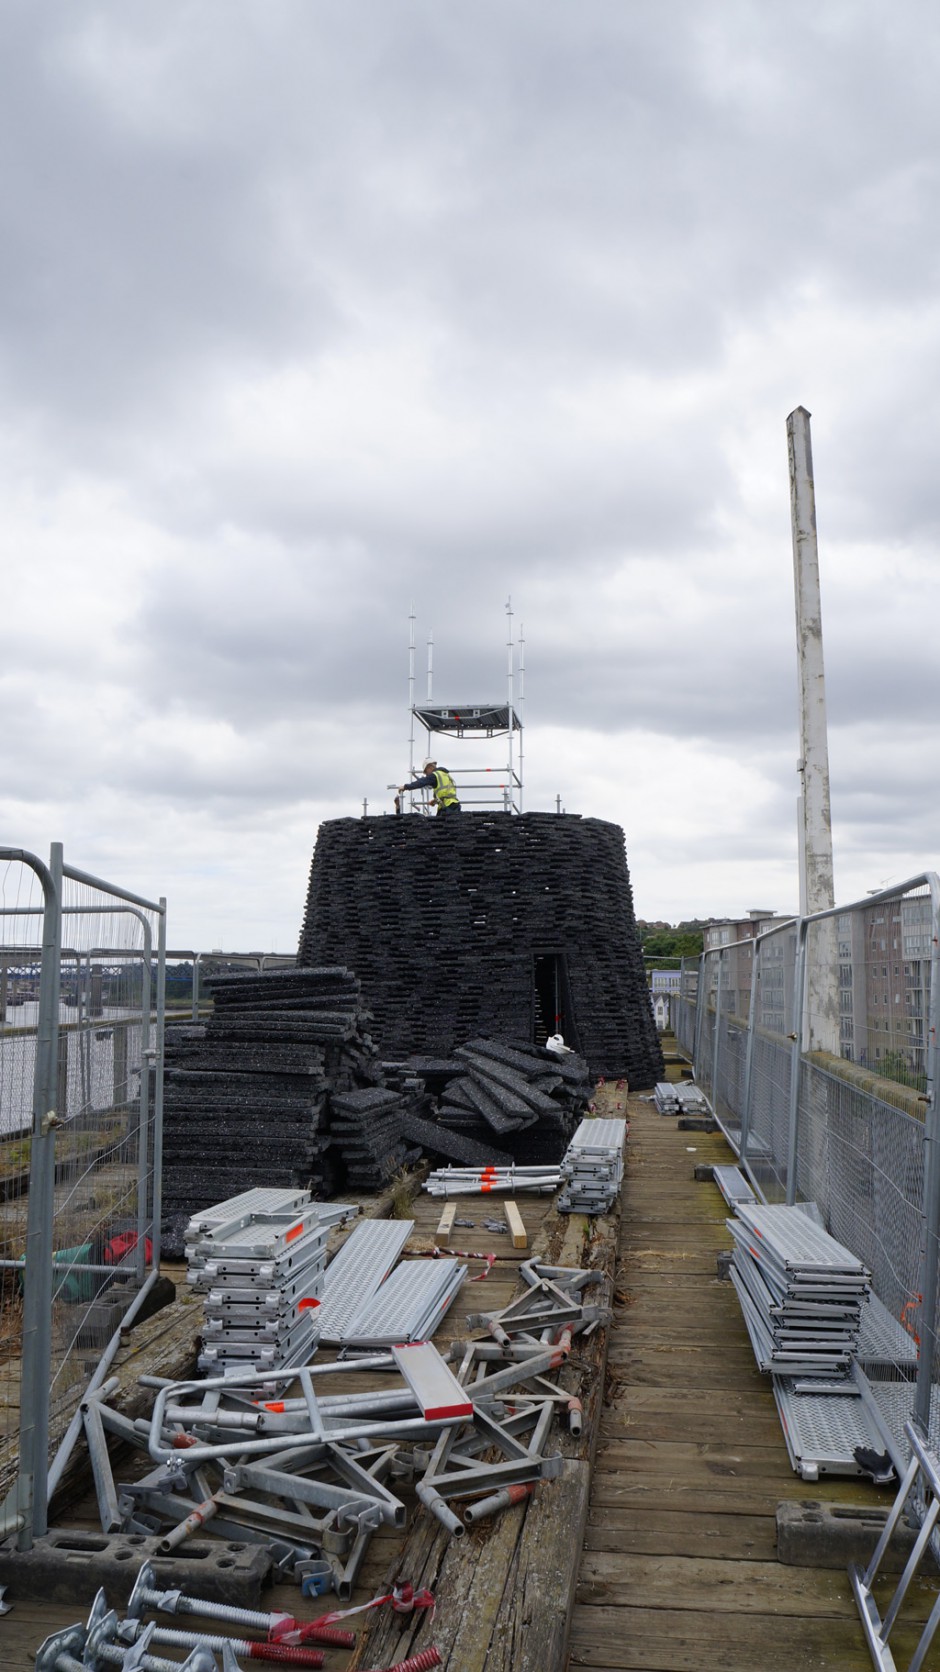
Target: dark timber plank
pixel 679 1569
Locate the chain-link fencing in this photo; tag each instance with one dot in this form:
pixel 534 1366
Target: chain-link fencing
pixel 816 1043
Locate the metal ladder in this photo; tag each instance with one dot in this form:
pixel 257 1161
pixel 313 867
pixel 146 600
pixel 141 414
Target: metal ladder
pixel 923 1479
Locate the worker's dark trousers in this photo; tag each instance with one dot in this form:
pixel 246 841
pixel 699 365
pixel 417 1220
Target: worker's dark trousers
pixel 454 807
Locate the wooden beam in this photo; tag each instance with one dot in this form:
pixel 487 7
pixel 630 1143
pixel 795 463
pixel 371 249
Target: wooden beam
pixel 516 1227
pixel 446 1224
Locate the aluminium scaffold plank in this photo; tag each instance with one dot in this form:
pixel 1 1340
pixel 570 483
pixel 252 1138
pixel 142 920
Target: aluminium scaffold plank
pixel 408 1306
pixel 824 1431
pixel 357 1270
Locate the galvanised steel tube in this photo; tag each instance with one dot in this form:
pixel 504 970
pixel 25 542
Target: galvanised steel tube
pixel 57 1467
pixel 31 1486
pixel 749 1053
pixel 799 991
pixel 931 1229
pixel 143 1100
pixel 699 1018
pixel 156 1196
pixel 716 1047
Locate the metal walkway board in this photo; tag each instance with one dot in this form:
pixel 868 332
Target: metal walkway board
pixel 408 1306
pixel 433 1383
pixel 796 1242
pixel 822 1431
pixel 733 1185
pixel 357 1270
pixel 256 1203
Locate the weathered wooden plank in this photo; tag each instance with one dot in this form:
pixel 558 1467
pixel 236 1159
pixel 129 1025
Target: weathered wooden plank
pixel 674 1532
pixel 645 1639
pixel 724 1586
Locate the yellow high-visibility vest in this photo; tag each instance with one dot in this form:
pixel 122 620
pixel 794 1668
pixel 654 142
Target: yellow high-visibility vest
pixel 445 790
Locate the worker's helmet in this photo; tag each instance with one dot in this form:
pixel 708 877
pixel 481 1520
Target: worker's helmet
pixel 428 765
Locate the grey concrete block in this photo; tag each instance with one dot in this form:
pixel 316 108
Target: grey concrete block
pixel 70 1565
pixel 814 1534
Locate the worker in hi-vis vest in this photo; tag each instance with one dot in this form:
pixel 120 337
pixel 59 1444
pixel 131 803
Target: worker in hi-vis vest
pixel 441 785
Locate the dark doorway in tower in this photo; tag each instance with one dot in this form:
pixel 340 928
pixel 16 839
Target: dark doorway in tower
pixel 552 1010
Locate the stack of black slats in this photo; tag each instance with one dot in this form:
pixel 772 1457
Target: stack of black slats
pixel 247 1095
pixel 478 923
pixel 496 1102
pixel 366 1127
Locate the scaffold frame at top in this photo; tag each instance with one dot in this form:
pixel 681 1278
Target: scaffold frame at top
pixel 483 783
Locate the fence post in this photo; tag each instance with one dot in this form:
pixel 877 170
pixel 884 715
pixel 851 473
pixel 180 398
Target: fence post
pixel 749 1054
pixel 157 1197
pixel 799 989
pixel 37 1281
pixel 699 1019
pixel 143 1123
pixel 119 1064
pixel 717 1041
pixel 931 1225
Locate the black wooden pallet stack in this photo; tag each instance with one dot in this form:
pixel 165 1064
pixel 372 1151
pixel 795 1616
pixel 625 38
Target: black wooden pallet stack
pixel 247 1095
pixel 447 923
pixel 494 1102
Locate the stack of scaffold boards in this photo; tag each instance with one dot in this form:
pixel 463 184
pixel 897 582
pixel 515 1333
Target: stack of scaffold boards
pixel 679 1097
pixel 259 1259
pixel 801 1292
pixel 593 1167
pixel 591 1172
pixel 815 1327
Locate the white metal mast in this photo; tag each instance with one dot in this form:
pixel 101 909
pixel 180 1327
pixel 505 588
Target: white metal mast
pixel 411 693
pixel 820 1022
pixel 521 706
pixel 510 652
pixel 817 890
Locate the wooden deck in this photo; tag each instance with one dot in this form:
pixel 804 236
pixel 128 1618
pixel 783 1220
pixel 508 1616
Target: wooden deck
pixel 679 1569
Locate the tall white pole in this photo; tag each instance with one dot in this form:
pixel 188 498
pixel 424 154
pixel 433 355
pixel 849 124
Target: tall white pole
pixel 508 801
pixel 820 1022
pixel 521 707
pixel 411 694
pixel 817 891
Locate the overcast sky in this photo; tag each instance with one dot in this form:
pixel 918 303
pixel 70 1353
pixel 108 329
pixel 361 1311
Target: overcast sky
pixel 310 312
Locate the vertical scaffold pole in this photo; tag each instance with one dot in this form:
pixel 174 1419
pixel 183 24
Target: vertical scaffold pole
pixel 37 1280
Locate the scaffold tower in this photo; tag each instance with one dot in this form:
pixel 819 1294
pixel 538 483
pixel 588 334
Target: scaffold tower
pixel 455 732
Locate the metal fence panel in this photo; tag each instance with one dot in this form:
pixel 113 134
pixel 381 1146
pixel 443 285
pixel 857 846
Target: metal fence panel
pixel 79 1165
pixel 827 1088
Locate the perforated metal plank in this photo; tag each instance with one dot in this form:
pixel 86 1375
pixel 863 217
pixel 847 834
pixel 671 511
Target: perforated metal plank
pixel 881 1341
pixel 822 1431
pixel 799 1244
pixel 409 1304
pixel 258 1238
pixel 593 1135
pixel 308 1281
pixel 733 1185
pixel 357 1270
pixel 255 1203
